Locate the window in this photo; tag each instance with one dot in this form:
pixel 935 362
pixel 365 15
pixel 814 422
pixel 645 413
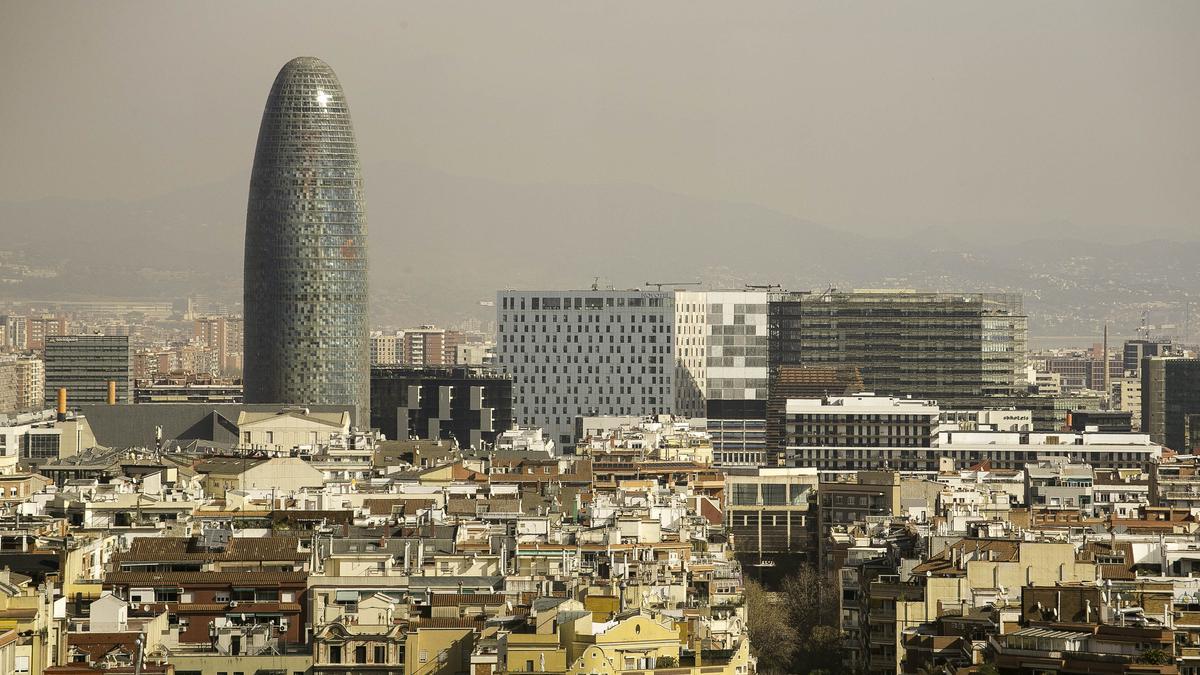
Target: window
pixel 381 654
pixel 745 494
pixel 774 494
pixel 360 654
pixel 270 437
pixel 335 654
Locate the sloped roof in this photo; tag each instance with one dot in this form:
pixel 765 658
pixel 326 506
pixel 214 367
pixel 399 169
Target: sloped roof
pixel 232 578
pixel 166 549
pixel 453 599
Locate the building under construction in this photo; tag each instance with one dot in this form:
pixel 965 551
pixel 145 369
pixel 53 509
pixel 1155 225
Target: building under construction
pixel 943 346
pixel 796 381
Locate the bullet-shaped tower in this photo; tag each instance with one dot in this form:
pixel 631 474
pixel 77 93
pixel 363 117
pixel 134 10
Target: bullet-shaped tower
pixel 305 286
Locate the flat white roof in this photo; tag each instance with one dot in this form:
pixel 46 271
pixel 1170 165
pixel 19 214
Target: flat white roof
pixel 868 404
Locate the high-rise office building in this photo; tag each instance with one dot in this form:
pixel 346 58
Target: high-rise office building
pixel 306 335
pixel 1171 402
pixel 84 365
pixel 943 346
pixel 1136 350
pixel 721 369
pixel 598 352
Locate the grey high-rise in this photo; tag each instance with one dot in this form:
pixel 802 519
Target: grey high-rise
pixel 306 338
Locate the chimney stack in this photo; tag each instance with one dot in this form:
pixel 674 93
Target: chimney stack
pixel 62 404
pixel 112 392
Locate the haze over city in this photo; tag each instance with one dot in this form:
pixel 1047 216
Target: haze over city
pixel 531 141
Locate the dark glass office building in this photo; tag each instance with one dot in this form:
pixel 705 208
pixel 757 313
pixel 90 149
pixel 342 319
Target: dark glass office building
pixel 1170 401
pixel 944 346
pixel 306 339
pixel 1136 350
pixel 470 405
pixel 84 365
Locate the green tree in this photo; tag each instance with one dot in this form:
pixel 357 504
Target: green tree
pixel 1155 657
pixel 665 662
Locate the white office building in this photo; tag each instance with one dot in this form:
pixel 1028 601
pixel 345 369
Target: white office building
pixel 597 352
pixel 721 372
pixel 694 354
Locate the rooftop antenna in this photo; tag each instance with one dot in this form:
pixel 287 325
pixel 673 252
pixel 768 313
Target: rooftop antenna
pixel 660 284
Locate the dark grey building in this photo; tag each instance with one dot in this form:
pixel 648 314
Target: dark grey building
pixel 1171 401
pixel 1136 350
pixel 85 364
pixel 137 425
pixel 943 346
pixel 306 338
pixel 471 405
pixel 1105 421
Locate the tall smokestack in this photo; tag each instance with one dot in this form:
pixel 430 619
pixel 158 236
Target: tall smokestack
pixel 62 404
pixel 112 392
pixel 1107 385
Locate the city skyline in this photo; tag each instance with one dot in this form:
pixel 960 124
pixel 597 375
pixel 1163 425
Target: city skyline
pixel 693 338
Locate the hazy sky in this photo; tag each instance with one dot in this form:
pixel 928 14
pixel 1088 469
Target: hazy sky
pixel 882 116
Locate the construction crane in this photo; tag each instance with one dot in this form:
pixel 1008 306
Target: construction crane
pixel 660 284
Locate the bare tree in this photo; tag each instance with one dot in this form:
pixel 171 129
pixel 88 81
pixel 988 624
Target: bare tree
pixel 811 600
pixel 772 638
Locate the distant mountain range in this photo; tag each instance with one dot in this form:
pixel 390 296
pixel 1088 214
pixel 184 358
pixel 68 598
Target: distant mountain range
pixel 440 244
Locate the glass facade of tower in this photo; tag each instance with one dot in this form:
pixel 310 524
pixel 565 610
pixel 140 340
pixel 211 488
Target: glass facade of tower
pixel 945 346
pixel 306 338
pixel 1171 401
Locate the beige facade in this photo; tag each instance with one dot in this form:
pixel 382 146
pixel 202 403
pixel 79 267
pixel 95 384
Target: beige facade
pixel 287 429
pixel 22 384
pixel 215 664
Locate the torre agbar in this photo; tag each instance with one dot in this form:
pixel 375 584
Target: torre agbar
pixel 306 337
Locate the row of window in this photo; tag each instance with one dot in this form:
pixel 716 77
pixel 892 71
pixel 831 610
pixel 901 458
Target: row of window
pixel 592 303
